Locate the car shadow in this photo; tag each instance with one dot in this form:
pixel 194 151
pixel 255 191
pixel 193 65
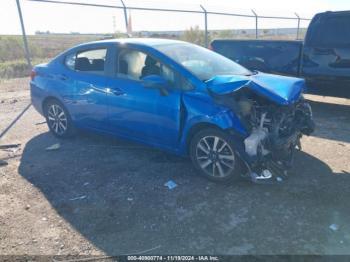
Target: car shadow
pixel 112 192
pixel 332 121
pixel 329 90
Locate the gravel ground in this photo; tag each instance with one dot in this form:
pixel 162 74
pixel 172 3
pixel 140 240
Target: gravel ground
pixel 101 196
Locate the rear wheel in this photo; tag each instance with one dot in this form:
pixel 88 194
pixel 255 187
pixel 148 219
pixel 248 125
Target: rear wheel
pixel 212 153
pixel 58 119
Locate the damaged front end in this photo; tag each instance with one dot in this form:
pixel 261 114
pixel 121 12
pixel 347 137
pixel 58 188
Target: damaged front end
pixel 275 120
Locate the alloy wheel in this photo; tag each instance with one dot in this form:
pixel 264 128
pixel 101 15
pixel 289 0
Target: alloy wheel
pixel 57 119
pixel 215 156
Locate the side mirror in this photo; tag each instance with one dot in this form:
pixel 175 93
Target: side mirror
pixel 156 82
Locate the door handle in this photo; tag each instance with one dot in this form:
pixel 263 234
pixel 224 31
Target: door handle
pixel 116 91
pixel 63 77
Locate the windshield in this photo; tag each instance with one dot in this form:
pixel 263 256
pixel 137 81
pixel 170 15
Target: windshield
pixel 202 62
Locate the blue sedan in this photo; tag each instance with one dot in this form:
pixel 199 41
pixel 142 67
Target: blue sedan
pixel 178 97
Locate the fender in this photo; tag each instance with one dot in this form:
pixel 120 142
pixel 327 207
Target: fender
pixel 200 112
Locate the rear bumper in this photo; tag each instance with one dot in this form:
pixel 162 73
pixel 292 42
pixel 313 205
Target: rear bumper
pixel 37 97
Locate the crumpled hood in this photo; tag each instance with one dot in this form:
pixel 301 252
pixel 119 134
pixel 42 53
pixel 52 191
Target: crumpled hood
pixel 279 89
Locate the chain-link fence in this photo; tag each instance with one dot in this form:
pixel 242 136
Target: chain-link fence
pixel 208 21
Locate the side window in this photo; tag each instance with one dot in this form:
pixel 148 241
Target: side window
pixel 70 61
pixel 186 84
pixel 90 61
pixel 168 74
pixel 332 31
pixel 135 65
pixel 130 64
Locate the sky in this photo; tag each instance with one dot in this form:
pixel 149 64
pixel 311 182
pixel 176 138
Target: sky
pixel 61 18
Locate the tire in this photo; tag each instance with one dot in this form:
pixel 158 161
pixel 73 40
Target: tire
pixel 58 119
pixel 212 153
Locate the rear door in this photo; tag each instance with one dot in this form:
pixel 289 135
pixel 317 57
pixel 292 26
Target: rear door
pixel 87 101
pixel 326 58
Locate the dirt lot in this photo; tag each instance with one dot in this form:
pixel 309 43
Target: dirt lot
pixel 98 195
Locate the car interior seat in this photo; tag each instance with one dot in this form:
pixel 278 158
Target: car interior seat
pixel 98 65
pixel 150 68
pixel 82 64
pixel 123 67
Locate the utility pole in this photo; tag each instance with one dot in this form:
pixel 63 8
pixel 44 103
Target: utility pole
pixel 256 24
pixel 25 42
pixel 125 16
pixel 298 29
pixel 205 26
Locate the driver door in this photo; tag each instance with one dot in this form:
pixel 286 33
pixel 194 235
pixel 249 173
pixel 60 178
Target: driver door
pixel 142 113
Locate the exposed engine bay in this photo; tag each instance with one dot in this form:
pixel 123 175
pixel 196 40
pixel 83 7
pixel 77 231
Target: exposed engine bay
pixel 274 130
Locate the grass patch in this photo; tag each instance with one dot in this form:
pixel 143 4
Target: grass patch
pixel 17 68
pixel 42 49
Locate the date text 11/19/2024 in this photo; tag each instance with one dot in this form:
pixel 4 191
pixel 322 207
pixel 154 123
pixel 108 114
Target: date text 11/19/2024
pixel 173 258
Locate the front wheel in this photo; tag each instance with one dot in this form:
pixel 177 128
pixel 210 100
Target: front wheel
pixel 58 119
pixel 212 153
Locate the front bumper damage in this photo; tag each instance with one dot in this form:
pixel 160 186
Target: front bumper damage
pixel 273 111
pixel 273 164
pixel 268 158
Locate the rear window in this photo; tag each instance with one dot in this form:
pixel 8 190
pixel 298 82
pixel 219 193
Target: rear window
pixel 89 61
pixel 262 55
pixel 332 31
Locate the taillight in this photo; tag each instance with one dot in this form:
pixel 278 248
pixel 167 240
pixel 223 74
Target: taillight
pixel 32 75
pixel 210 47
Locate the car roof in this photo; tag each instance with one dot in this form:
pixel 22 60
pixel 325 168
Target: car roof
pixel 337 12
pixel 330 13
pixel 151 42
